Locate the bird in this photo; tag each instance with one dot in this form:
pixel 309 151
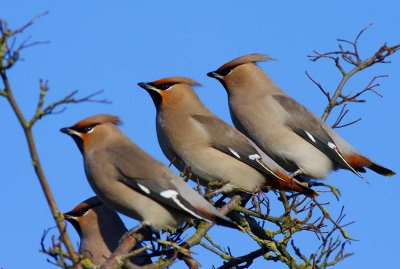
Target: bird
pixel 132 182
pixel 194 138
pixel 287 131
pixel 100 229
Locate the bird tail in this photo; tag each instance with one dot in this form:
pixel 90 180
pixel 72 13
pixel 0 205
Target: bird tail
pixel 359 161
pixel 286 183
pixel 218 218
pixel 381 170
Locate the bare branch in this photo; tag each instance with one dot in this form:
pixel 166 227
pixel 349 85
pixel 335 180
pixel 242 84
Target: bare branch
pixel 342 114
pixel 68 99
pixel 30 23
pixel 124 248
pixel 352 57
pixel 8 57
pixel 328 216
pixel 246 259
pixel 326 93
pixel 204 227
pixel 8 54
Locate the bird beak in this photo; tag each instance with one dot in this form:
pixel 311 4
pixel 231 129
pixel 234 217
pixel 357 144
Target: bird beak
pixel 214 74
pixel 69 131
pixel 68 217
pixel 148 87
pixel 74 221
pixel 65 130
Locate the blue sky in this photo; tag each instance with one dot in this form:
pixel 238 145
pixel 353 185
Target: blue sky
pixel 112 46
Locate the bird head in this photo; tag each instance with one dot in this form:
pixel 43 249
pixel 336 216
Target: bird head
pixel 231 71
pixel 171 88
pixel 93 130
pixel 84 215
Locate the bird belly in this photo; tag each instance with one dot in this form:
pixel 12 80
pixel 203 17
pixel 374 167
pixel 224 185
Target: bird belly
pixel 212 165
pixel 296 153
pixel 129 202
pixel 141 207
pixel 286 148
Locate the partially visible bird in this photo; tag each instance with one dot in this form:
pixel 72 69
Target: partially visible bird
pixel 292 135
pixel 99 228
pixel 132 182
pixel 194 138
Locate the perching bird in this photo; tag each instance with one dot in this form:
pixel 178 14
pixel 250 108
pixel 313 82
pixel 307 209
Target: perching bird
pixel 99 228
pixel 193 137
pixel 293 136
pixel 132 182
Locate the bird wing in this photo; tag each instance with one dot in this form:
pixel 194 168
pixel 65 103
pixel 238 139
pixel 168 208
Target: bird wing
pixel 152 179
pixel 308 127
pixel 230 141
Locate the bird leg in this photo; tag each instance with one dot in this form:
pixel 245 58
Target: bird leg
pixel 333 189
pixel 216 192
pixel 245 197
pixel 187 172
pixel 296 173
pixel 221 184
pixel 219 202
pixel 134 230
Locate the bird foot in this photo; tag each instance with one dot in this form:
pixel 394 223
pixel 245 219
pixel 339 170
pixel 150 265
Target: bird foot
pixel 296 173
pixel 335 191
pixel 133 231
pixel 212 194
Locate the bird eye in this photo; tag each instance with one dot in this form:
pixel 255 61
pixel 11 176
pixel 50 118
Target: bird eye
pixel 82 212
pixel 87 129
pixel 165 86
pixel 226 71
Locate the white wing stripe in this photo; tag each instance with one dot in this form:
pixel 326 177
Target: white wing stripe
pixel 171 194
pixel 143 188
pixel 234 153
pixel 310 136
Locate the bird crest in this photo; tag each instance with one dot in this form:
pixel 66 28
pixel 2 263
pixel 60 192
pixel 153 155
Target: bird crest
pixel 176 80
pixel 249 58
pixel 98 119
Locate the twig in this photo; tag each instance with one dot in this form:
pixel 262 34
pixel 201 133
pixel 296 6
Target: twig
pixel 204 227
pixel 328 216
pixel 352 57
pixel 68 99
pixel 123 249
pixel 326 93
pixel 222 255
pixel 58 216
pixel 247 259
pixel 8 57
pixel 339 119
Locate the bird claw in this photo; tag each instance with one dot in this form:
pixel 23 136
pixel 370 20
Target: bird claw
pixel 187 172
pixel 335 191
pixel 212 194
pixel 133 231
pixel 296 173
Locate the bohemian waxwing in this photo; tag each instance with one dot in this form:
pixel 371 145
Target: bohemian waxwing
pixel 132 182
pixel 293 136
pixel 193 137
pixel 99 229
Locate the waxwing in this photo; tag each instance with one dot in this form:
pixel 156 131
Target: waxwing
pixel 130 181
pixel 99 228
pixel 194 138
pixel 293 136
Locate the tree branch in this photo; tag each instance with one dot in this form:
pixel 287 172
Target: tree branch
pixel 8 57
pixel 353 58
